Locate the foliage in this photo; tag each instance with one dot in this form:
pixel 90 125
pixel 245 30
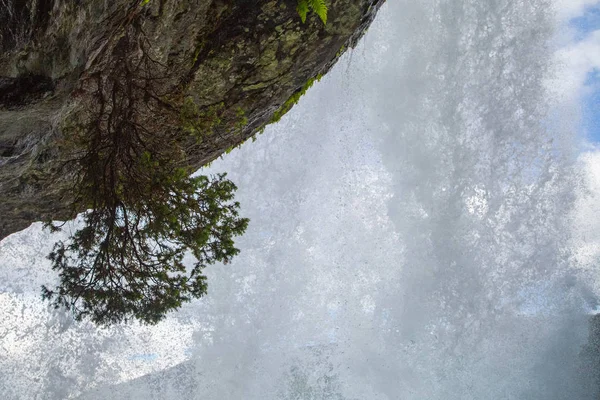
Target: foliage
pixel 128 259
pixel 199 122
pixel 318 6
pixel 126 156
pixel 294 98
pixel 242 121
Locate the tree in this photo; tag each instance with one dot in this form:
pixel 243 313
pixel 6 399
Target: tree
pixel 144 211
pixel 126 262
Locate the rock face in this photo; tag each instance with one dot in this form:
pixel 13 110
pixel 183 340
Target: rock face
pixel 234 62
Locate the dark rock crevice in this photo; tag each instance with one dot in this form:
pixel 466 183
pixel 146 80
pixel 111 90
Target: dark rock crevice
pixel 23 90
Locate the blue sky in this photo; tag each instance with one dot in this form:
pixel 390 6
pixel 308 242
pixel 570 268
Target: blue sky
pixel 583 26
pixel 591 108
pixel 588 22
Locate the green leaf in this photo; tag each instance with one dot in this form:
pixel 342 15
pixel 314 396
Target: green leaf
pixel 320 8
pixel 302 9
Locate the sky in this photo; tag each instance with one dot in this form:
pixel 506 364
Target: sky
pixel 578 86
pixel 579 53
pixel 587 36
pixel 398 230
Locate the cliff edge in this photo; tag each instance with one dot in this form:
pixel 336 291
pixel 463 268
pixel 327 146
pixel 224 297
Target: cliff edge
pixel 214 72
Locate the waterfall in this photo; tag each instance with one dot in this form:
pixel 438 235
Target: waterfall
pixel 413 235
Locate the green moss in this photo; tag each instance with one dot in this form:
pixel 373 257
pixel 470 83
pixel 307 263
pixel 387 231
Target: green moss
pixel 269 64
pixel 197 52
pixel 289 103
pixel 256 86
pixel 197 122
pixel 293 100
pixel 242 121
pixel 269 8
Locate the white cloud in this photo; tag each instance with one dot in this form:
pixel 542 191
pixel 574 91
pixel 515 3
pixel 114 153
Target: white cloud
pixel 567 9
pixel 574 62
pixel 574 59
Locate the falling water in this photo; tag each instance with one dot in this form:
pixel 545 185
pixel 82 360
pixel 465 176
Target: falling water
pixel 411 238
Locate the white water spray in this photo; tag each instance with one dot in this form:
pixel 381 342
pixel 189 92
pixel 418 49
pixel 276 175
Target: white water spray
pixel 410 238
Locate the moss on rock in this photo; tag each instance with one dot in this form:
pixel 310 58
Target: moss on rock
pixel 257 57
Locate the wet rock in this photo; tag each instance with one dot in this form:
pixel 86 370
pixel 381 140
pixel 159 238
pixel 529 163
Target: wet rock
pixel 248 57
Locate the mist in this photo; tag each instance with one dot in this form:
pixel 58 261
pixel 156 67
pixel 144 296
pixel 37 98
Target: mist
pixel 415 234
